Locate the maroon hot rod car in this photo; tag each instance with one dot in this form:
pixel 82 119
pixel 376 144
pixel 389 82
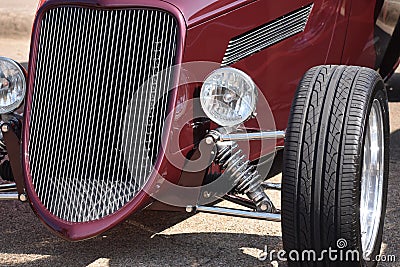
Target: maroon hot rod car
pixel 177 105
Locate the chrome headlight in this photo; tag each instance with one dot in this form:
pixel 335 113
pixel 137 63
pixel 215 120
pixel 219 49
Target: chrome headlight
pixel 228 96
pixel 12 85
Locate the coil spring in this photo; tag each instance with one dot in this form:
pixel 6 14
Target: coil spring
pixel 244 176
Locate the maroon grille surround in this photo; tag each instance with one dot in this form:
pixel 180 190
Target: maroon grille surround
pixel 75 228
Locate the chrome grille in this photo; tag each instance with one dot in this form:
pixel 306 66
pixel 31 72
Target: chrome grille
pixel 266 35
pixel 94 130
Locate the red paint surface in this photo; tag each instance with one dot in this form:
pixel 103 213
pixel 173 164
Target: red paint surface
pixel 276 70
pixel 360 45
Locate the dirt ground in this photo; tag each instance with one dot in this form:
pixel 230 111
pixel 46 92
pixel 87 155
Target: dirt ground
pixel 158 238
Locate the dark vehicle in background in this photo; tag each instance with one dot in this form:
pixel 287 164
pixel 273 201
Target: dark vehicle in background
pixel 177 105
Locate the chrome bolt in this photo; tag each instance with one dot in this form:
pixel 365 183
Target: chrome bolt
pixel 4 128
pixel 189 209
pixel 263 207
pixel 206 194
pixel 23 197
pixel 209 140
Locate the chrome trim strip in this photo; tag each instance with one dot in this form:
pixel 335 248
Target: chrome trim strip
pixel 267 35
pixel 8 187
pixel 294 17
pixel 252 136
pixel 237 213
pixel 9 196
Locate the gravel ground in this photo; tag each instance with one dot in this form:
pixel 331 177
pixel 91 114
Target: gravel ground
pixel 158 238
pixel 16 17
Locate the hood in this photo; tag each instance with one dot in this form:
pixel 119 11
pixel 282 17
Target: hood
pixel 196 12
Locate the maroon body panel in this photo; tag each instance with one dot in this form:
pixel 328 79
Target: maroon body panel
pixel 277 69
pixel 206 27
pixel 360 47
pixel 196 12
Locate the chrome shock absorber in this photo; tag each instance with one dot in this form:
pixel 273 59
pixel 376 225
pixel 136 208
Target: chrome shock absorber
pixel 244 176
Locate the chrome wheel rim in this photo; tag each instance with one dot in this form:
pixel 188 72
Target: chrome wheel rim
pixel 372 180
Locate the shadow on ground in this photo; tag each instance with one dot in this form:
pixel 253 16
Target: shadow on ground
pixel 133 243
pixel 391 235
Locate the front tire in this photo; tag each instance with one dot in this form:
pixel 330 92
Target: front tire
pixel 336 161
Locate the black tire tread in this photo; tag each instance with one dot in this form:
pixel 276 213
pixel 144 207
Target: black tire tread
pixel 323 139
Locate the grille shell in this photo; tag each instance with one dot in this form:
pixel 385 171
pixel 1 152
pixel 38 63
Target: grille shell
pixel 87 159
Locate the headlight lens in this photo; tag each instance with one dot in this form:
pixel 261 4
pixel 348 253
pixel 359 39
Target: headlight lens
pixel 12 85
pixel 228 96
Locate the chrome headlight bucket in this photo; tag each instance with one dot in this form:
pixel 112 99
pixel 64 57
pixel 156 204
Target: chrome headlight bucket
pixel 12 85
pixel 228 96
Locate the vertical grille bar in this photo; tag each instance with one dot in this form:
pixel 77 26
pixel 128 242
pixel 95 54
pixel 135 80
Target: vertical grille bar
pixel 98 107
